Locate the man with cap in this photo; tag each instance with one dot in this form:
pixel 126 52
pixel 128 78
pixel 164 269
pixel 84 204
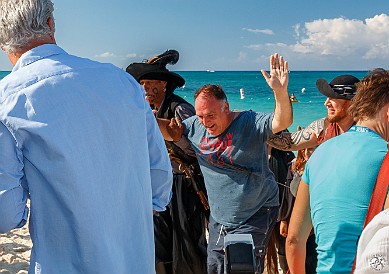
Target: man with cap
pixel 339 93
pixel 338 180
pixel 180 230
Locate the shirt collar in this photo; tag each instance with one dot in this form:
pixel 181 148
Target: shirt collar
pixel 36 54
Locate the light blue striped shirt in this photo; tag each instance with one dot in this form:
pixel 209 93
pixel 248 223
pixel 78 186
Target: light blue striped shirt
pixel 79 139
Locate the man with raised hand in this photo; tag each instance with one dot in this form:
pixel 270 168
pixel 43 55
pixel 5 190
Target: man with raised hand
pixel 232 152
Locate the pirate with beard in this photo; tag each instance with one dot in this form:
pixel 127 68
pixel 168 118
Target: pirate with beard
pixel 180 243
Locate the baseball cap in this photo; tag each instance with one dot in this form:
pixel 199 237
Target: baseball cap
pixel 341 87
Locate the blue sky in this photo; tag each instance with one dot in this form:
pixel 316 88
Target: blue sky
pixel 227 34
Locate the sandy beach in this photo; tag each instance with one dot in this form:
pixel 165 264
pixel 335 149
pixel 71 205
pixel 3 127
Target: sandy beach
pixel 15 248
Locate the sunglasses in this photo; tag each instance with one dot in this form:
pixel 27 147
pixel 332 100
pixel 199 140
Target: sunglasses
pixel 344 89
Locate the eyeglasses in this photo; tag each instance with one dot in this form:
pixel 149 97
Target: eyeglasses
pixel 344 89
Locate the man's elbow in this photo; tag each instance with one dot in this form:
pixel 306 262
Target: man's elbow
pixel 9 222
pixel 288 121
pixel 13 214
pixel 281 125
pixel 292 242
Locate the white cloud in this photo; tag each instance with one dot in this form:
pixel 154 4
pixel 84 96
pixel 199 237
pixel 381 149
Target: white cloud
pixel 131 55
pixel 263 31
pixel 105 55
pixel 337 43
pixel 345 37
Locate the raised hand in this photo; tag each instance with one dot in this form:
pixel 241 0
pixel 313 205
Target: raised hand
pixel 279 73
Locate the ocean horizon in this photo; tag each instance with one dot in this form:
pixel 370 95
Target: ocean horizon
pixel 259 97
pixel 257 94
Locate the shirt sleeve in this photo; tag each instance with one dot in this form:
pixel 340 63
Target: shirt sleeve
pixel 13 196
pixel 160 167
pixel 263 122
pixel 183 112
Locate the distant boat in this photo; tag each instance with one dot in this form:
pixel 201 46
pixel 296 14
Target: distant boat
pixel 302 90
pixel 210 70
pixel 241 93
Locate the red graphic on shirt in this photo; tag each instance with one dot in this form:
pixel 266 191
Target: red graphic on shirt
pixel 216 150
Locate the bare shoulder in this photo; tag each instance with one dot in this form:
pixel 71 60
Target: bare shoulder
pixel 304 138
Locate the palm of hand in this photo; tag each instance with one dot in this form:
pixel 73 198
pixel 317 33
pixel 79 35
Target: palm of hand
pixel 278 79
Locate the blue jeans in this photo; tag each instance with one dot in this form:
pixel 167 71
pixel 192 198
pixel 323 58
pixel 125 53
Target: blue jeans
pixel 260 226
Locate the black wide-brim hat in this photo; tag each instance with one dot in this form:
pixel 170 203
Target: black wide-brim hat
pixel 341 87
pixel 144 71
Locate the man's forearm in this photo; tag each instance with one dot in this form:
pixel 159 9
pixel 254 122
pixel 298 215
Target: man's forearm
pixel 293 141
pixel 283 113
pixel 295 256
pixel 305 138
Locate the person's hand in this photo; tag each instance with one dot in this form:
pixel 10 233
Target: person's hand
pixel 175 129
pixel 284 229
pixel 279 73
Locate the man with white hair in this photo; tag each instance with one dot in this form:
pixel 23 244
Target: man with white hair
pixel 93 178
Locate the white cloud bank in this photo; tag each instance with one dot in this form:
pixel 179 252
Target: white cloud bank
pixel 340 37
pixel 343 37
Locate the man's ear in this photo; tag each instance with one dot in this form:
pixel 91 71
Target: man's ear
pixel 226 107
pixel 387 113
pixel 50 22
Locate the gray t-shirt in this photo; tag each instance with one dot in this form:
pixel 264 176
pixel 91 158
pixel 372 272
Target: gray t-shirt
pixel 235 167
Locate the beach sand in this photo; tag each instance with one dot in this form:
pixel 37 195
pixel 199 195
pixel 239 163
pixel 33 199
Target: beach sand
pixel 15 249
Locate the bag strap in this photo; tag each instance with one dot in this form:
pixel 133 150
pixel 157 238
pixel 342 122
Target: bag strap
pixel 378 197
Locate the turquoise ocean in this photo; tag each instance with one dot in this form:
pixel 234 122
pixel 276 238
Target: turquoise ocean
pixel 258 96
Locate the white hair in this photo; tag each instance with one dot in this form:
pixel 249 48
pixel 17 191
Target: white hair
pixel 23 21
